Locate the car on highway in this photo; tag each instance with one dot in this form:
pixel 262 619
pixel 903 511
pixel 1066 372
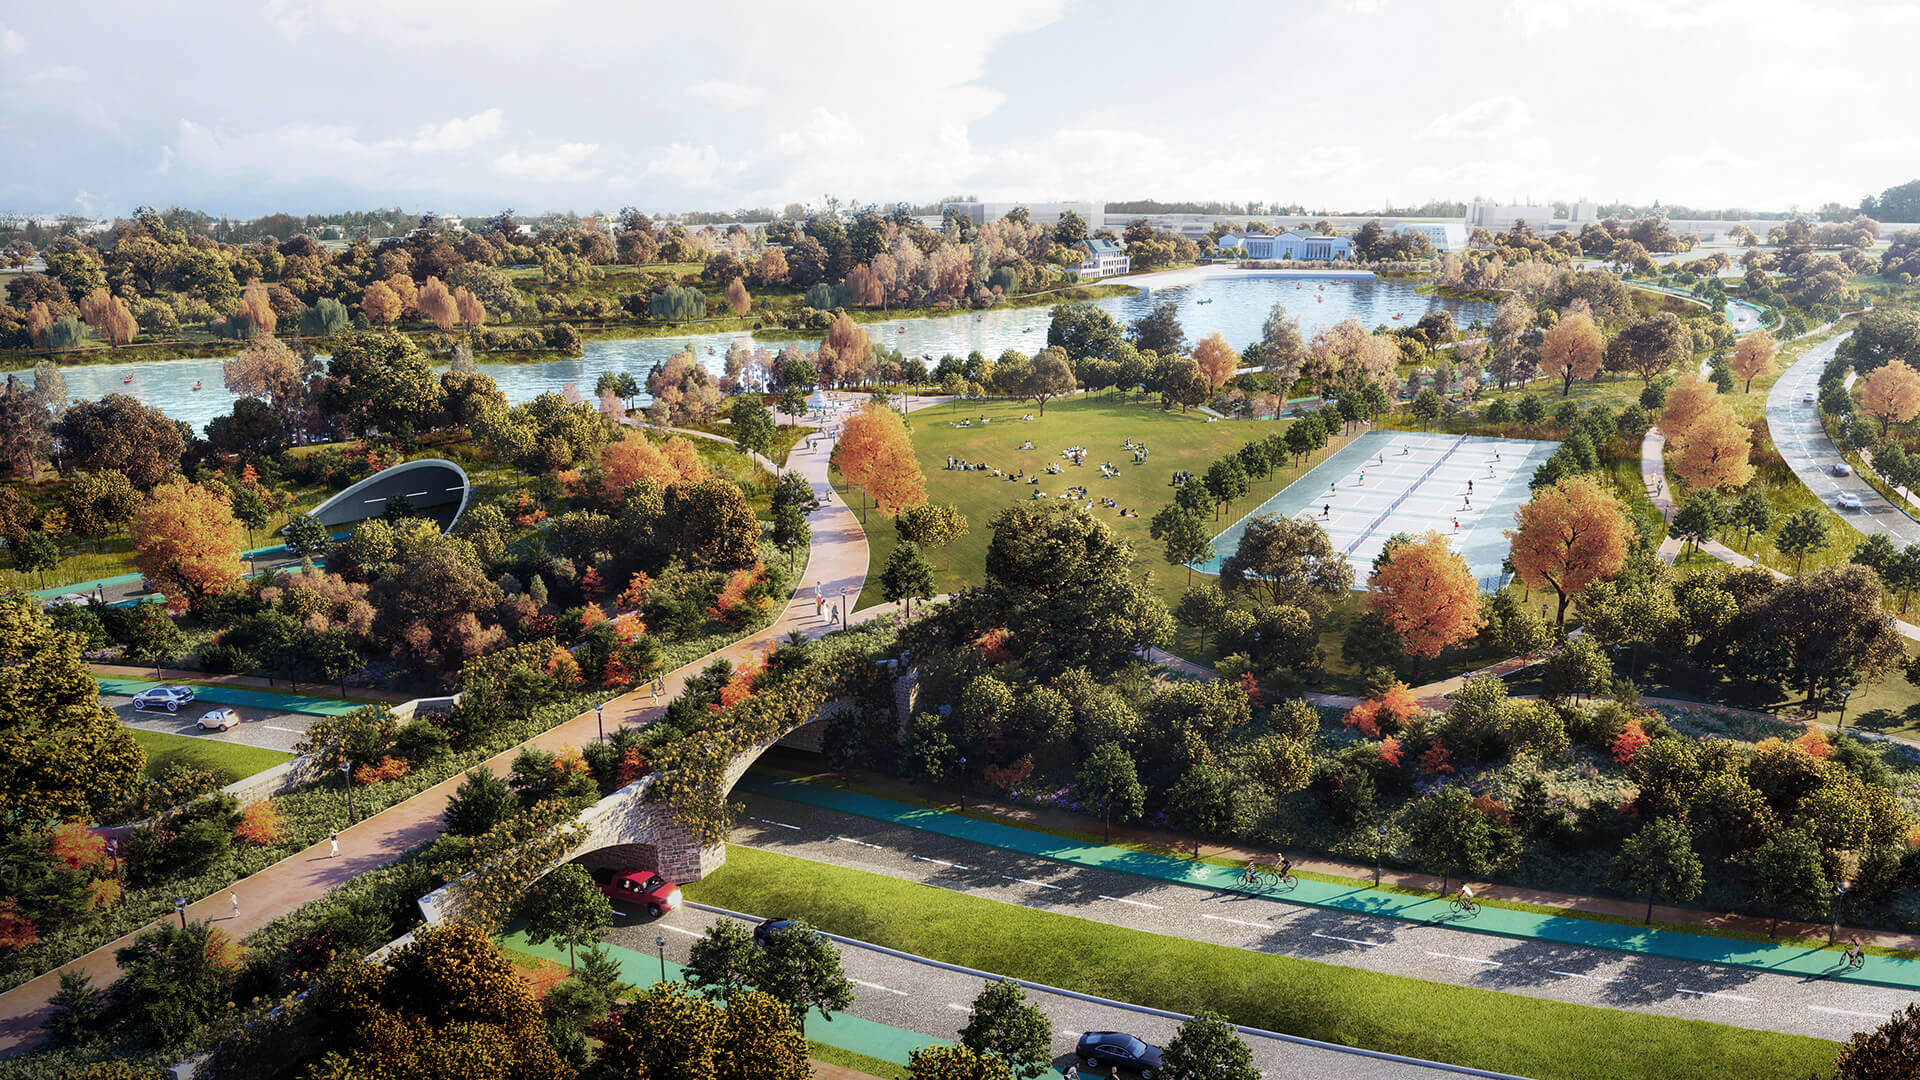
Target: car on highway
pixel 219 720
pixel 1847 500
pixel 641 888
pixel 169 698
pixel 1808 398
pixel 1841 468
pixel 1103 1049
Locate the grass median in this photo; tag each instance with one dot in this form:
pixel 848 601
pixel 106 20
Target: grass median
pixel 1485 1029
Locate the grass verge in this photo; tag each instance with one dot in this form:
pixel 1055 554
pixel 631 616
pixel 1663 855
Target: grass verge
pixel 847 1059
pixel 1484 1029
pixel 229 761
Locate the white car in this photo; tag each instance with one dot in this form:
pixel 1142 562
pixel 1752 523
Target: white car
pixel 220 720
pixel 1808 398
pixel 1847 501
pixel 1841 468
pixel 72 599
pixel 169 698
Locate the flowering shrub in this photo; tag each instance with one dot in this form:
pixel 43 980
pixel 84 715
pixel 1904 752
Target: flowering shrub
pixel 79 847
pixel 525 511
pixel 1390 751
pixel 1390 712
pixel 1437 759
pixel 260 824
pixel 104 893
pixel 388 768
pixel 639 588
pixel 993 645
pixel 734 604
pixel 16 930
pixel 1493 809
pixel 592 615
pixel 1815 743
pixel 1008 776
pixel 1628 743
pixel 564 669
pixel 741 683
pixel 1251 687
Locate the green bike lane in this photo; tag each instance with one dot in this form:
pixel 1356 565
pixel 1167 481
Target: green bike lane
pixel 1780 959
pixel 233 695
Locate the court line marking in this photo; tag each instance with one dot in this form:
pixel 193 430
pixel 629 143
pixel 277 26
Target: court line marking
pixel 862 843
pixel 941 862
pixel 289 730
pixel 679 930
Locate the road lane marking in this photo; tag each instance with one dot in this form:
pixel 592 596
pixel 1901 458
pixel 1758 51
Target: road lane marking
pixel 1350 941
pixel 877 986
pixel 1468 959
pixel 1846 1012
pixel 1712 993
pixel 1025 881
pixel 1071 1034
pixel 862 843
pixel 1577 975
pixel 1237 922
pixel 675 929
pixel 1124 900
pixel 781 824
pixel 958 1008
pixel 289 730
pixel 941 862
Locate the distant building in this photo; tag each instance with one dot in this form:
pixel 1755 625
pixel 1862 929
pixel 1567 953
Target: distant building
pixel 1291 246
pixel 1445 235
pixel 1093 213
pixel 1104 258
pixel 1497 217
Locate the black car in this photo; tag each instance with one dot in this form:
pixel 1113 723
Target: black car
pixel 1098 1049
pixel 763 933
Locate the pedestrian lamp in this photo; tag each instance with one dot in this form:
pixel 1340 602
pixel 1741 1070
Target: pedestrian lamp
pixel 180 905
pixel 346 781
pixel 1379 849
pixel 660 943
pixel 963 781
pixel 598 724
pixel 1844 695
pixel 1839 894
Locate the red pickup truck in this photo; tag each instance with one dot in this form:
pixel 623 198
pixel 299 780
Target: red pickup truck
pixel 641 888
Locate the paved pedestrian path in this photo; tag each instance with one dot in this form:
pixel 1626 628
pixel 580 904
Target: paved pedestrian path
pixel 1780 958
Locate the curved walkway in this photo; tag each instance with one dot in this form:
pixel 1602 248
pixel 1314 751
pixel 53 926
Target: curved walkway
pixel 836 567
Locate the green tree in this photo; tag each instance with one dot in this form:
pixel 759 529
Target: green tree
pixel 908 576
pixel 1227 482
pixel 1202 800
pixel 1753 513
pixel 1699 518
pixel 1888 1052
pixel 306 536
pixel 1448 834
pixel 801 967
pixel 360 737
pixel 1207 1048
pixel 1785 877
pixel 76 1012
pixel 1803 533
pixel 174 981
pixel 758 1040
pixel 1005 1023
pixel 753 427
pixel 1202 609
pixel 1107 780
pixel 793 501
pixel 668 1031
pixel 1579 666
pixel 1659 860
pixel 150 635
pixel 567 908
pixel 381 383
pixel 723 960
pixel 714 527
pixel 482 801
pixel 932 525
pixel 1829 630
pixel 36 554
pixel 1184 534
pixel 1426 406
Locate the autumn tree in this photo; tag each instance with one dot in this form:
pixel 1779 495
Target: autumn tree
pixel 265 368
pixel 66 756
pixel 737 297
pixel 1569 536
pixel 1891 394
pixel 635 456
pixel 471 311
pixel 1753 357
pixel 1573 349
pixel 846 350
pixel 109 317
pixel 1714 452
pixel 380 304
pixel 1689 399
pixel 875 454
pixel 186 539
pixel 437 304
pixel 1217 360
pixel 1426 593
pixel 255 316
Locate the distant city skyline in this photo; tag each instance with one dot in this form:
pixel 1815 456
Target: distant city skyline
pixel 311 106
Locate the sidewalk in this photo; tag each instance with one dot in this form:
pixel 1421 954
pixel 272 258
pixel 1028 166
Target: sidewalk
pixel 837 564
pixel 1800 948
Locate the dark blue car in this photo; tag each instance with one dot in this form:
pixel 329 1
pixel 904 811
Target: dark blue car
pixel 1099 1049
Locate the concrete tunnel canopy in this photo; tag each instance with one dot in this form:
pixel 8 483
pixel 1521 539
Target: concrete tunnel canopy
pixel 427 483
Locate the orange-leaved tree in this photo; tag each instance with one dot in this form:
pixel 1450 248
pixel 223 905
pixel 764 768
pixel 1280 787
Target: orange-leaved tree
pixel 436 303
pixel 1568 537
pixel 738 298
pixel 1715 451
pixel 875 454
pixel 1753 356
pixel 1428 595
pixel 1891 393
pixel 380 304
pixel 1389 712
pixel 1689 399
pixel 1573 349
pixel 1217 360
pixel 634 457
pixel 186 539
pixel 472 311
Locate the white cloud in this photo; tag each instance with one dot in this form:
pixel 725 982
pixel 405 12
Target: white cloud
pixel 458 133
pixel 824 130
pixel 1363 7
pixel 11 43
pixel 560 163
pixel 694 166
pixel 1537 17
pixel 725 95
pixel 166 161
pixel 59 73
pixel 1490 118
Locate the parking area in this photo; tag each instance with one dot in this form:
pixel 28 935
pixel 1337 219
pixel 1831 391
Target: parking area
pixel 264 728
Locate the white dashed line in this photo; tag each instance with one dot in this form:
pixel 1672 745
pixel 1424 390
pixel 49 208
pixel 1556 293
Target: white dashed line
pixel 1237 922
pixel 676 929
pixel 862 843
pixel 941 862
pixel 1025 881
pixel 958 1008
pixel 1468 959
pixel 778 824
pixel 877 986
pixel 289 730
pixel 1712 993
pixel 1124 900
pixel 1577 975
pixel 1846 1012
pixel 1350 941
pixel 1070 1034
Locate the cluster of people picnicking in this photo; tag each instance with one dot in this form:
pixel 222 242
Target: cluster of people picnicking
pixel 1077 455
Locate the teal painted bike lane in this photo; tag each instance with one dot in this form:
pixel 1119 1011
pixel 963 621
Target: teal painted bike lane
pixel 233 695
pixel 1503 922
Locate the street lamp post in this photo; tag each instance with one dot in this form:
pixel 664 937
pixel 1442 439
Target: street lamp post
pixel 180 905
pixel 1379 850
pixel 963 781
pixel 1839 894
pixel 346 781
pixel 660 943
pixel 598 724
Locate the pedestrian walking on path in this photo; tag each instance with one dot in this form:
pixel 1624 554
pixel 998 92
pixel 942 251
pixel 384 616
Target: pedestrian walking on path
pixel 234 899
pixel 333 841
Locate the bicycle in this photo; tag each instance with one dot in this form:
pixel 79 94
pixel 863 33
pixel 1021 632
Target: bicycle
pixel 1856 961
pixel 1465 906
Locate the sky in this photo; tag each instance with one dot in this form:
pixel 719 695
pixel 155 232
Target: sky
pixel 471 106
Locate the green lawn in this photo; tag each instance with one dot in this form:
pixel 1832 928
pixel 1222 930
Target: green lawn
pixel 1485 1029
pixel 232 761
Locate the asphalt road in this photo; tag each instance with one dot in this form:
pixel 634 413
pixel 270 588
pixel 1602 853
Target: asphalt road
pixel 1795 426
pixel 1551 970
pixel 258 727
pixel 934 1001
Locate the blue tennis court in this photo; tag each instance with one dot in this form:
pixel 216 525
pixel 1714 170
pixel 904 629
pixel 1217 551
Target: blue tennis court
pixel 1465 487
